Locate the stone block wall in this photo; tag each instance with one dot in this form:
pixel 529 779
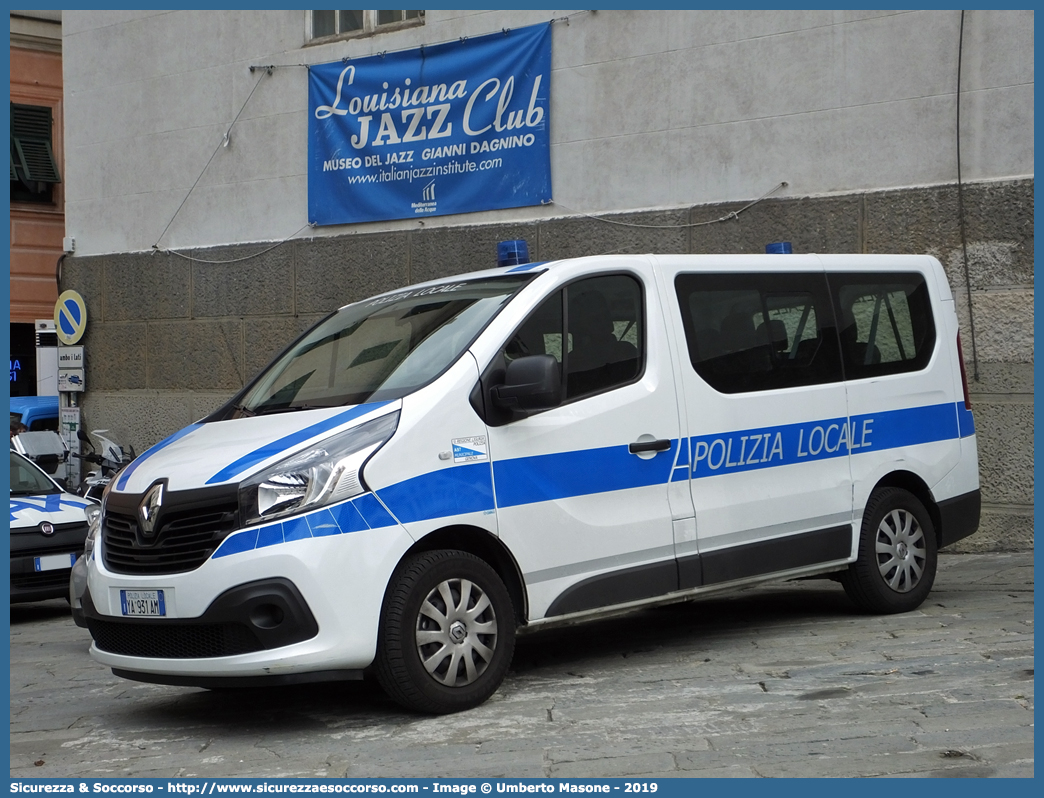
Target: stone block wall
pixel 172 336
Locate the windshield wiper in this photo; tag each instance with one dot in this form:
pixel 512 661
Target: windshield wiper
pixel 264 411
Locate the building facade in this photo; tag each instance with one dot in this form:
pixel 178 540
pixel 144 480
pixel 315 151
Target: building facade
pixel 187 149
pixel 37 194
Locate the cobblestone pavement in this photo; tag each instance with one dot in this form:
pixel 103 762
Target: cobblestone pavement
pixel 780 680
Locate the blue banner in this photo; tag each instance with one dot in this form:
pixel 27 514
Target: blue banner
pixel 454 128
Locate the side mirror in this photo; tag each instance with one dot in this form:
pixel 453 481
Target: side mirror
pixel 530 383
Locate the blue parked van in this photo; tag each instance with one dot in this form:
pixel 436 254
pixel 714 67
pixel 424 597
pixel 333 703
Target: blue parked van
pixel 36 412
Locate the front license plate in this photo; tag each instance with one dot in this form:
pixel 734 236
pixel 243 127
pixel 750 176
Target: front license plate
pixel 53 562
pixel 142 603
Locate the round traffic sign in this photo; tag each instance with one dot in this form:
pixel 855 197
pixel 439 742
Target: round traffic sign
pixel 70 317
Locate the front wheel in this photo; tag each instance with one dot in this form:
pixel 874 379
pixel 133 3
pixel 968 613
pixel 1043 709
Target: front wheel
pixel 897 556
pixel 447 633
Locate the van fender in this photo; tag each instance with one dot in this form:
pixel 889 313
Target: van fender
pixel 487 547
pixel 899 473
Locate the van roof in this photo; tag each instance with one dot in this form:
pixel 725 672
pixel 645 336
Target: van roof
pixel 22 404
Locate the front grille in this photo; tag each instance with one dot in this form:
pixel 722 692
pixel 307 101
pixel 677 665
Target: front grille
pixel 173 641
pixel 45 551
pixel 41 579
pixel 191 526
pixel 31 542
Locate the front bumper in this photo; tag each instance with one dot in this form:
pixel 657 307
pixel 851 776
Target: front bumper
pixel 261 615
pixel 293 605
pixel 223 682
pixel 258 616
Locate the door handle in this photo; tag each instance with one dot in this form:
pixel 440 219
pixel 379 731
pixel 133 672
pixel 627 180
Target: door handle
pixel 638 447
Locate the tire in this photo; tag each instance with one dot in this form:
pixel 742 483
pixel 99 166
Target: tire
pixel 897 556
pixel 435 660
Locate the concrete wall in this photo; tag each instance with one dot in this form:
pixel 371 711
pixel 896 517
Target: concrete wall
pixel 173 336
pixel 649 109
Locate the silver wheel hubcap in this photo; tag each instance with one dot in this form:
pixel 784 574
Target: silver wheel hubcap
pixel 901 550
pixel 456 632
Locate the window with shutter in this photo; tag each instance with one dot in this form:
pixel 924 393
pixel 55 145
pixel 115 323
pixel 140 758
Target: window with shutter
pixel 33 167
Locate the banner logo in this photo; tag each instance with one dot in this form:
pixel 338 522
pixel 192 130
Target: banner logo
pixel 472 114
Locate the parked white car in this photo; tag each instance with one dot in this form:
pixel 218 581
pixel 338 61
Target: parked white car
pixel 48 528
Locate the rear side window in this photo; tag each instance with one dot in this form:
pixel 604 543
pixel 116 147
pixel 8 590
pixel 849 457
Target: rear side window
pixel 886 323
pixel 758 332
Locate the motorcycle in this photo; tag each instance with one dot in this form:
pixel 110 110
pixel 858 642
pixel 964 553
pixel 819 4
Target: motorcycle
pixel 109 460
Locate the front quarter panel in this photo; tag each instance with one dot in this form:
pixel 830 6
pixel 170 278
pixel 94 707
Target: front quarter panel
pixel 435 471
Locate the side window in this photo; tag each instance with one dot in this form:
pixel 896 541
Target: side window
pixel 886 323
pixel 328 24
pixel 604 334
pixel 44 424
pixel 758 332
pixel 541 333
pixel 594 328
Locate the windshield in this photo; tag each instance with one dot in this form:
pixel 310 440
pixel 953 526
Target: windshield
pixel 382 348
pixel 27 480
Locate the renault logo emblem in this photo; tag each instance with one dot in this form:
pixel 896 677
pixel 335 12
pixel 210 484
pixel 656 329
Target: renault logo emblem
pixel 149 509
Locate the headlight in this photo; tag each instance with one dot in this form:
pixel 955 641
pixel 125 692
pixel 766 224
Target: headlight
pixel 324 473
pixel 94 514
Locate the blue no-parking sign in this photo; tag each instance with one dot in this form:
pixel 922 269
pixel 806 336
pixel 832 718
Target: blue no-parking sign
pixel 70 317
pixel 453 128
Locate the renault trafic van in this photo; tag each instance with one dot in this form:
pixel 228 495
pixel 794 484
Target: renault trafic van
pixel 428 472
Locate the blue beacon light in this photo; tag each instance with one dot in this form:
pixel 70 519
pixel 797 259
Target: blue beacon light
pixel 779 248
pixel 512 253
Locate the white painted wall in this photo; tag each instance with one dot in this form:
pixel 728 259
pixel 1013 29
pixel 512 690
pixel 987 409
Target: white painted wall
pixel 648 109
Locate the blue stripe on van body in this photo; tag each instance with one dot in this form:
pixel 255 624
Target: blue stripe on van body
pixel 791 444
pixel 348 518
pixel 448 491
pixel 373 512
pixel 340 519
pixel 910 426
pixel 323 524
pixel 121 483
pixel 296 528
pixel 525 267
pixel 547 477
pixel 289 441
pixel 243 541
pixel 528 480
pixel 965 420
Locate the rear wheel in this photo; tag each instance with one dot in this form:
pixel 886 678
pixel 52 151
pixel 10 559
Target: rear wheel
pixel 447 633
pixel 897 557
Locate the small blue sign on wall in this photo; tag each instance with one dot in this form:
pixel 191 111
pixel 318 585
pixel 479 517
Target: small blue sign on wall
pixel 454 128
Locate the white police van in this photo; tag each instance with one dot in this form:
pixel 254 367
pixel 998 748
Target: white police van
pixel 427 472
